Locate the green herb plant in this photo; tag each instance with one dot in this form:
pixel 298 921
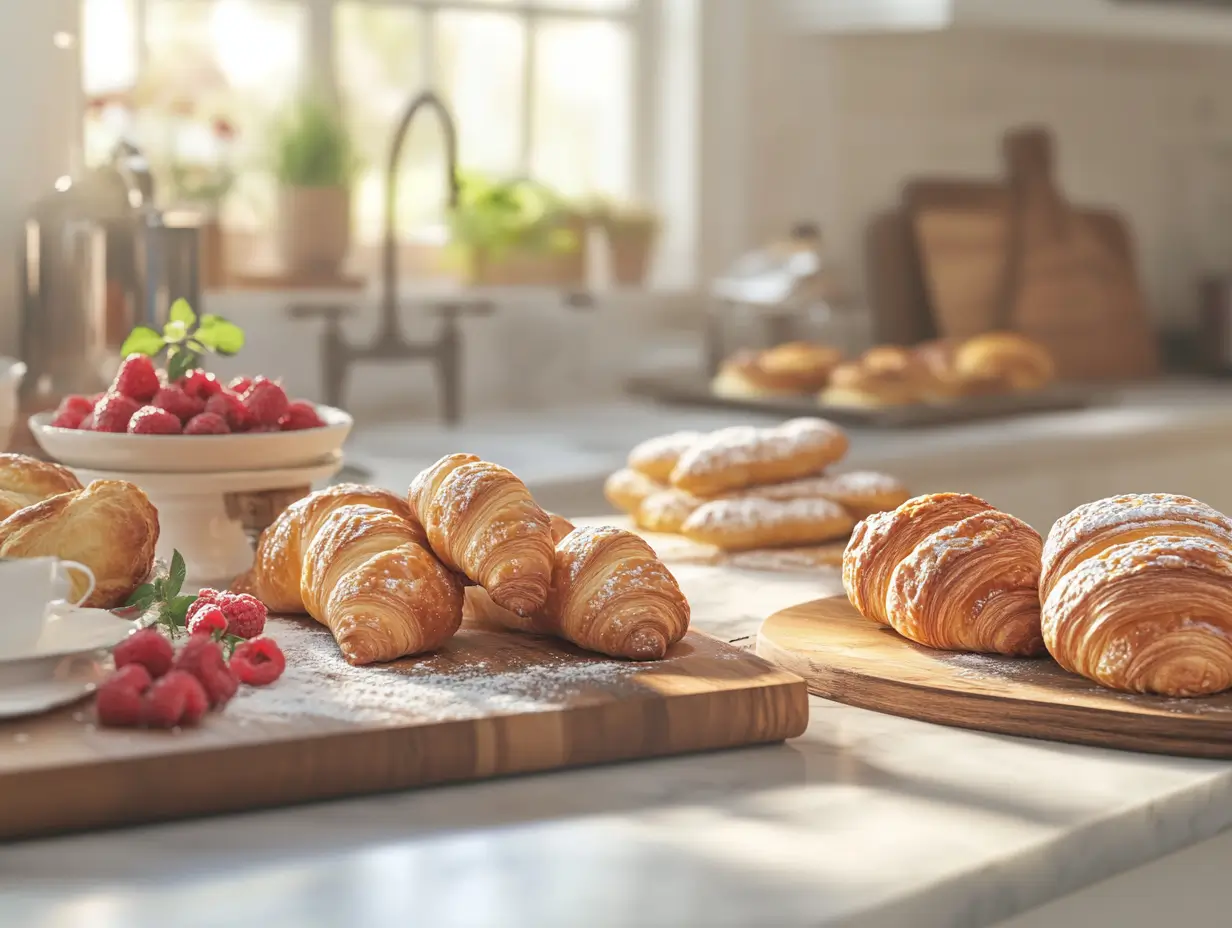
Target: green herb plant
pixel 186 338
pixel 494 216
pixel 312 147
pixel 163 595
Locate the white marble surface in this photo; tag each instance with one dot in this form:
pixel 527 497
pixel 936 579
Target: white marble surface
pixel 866 820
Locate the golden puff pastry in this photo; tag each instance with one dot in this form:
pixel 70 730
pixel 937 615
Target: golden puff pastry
pixel 626 488
pixel 25 481
pixel 1152 615
pixel 656 457
pixel 743 456
pixel 482 522
pixel 1095 527
pixel 861 492
pixel 1017 362
pixel 884 376
pixel 275 577
pixel 666 512
pixel 789 369
pixel 747 523
pixel 369 577
pixel 111 526
pixel 560 526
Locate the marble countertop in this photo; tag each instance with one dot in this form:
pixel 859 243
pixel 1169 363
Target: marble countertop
pixel 866 820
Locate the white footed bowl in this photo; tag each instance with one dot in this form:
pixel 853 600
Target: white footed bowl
pixel 192 454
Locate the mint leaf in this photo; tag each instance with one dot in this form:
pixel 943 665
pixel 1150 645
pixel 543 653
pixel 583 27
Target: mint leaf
pixel 178 608
pixel 180 362
pixel 181 312
pixel 142 597
pixel 175 331
pixel 175 579
pixel 142 340
pixel 216 332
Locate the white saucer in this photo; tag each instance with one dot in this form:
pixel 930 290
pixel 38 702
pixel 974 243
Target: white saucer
pixel 74 632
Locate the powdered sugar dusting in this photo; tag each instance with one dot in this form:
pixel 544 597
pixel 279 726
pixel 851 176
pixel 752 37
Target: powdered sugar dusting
pixel 832 486
pixel 746 444
pixel 755 512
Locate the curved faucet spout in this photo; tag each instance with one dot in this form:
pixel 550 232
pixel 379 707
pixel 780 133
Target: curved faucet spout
pixel 426 100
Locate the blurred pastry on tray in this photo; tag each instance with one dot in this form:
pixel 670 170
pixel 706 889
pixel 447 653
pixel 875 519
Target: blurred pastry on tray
pixel 888 375
pixel 1018 363
pixel 790 369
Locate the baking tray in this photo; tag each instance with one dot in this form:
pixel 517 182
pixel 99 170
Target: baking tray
pixel 693 390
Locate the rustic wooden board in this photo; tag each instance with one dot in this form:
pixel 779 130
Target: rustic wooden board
pixel 845 657
pixel 489 703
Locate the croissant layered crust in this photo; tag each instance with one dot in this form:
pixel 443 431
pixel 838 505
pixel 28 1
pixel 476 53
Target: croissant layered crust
pixel 25 481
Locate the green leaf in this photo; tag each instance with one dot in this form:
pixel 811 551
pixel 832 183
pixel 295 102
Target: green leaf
pixel 179 362
pixel 143 596
pixel 175 578
pixel 183 313
pixel 216 332
pixel 175 331
pixel 142 340
pixel 179 608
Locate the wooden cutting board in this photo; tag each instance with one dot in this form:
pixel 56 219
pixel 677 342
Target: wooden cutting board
pixel 847 658
pixel 488 704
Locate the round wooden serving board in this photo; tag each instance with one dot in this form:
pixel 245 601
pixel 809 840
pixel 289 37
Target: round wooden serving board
pixel 845 657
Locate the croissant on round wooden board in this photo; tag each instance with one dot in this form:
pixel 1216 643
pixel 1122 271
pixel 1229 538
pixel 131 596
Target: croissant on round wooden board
pixel 481 521
pixel 1139 595
pixel 110 526
pixel 948 571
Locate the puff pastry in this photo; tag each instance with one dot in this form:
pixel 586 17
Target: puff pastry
pixel 884 376
pixel 278 565
pixel 1017 362
pixel 25 481
pixel 560 526
pixel 745 523
pixel 948 570
pixel 626 488
pixel 744 456
pixel 369 577
pixel 657 457
pixel 482 522
pixel 789 369
pixel 110 526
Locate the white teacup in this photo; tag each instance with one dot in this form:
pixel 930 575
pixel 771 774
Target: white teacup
pixel 31 589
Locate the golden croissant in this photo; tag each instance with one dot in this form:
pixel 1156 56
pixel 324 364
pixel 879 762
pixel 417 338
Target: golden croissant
pixel 482 522
pixel 25 481
pixel 111 526
pixel 1140 595
pixel 369 577
pixel 949 571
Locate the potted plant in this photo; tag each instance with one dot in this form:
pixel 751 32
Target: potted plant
pixel 631 233
pixel 315 164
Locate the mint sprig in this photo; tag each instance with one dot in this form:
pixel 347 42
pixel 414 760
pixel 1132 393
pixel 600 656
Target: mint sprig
pixel 163 593
pixel 186 338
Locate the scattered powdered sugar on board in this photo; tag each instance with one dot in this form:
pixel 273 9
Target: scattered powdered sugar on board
pixel 318 683
pixel 992 665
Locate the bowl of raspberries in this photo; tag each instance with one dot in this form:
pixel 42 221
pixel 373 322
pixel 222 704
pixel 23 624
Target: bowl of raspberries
pixel 196 423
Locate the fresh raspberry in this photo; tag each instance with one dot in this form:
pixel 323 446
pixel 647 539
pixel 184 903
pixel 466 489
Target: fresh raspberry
pixel 148 648
pixel 178 403
pixel 176 699
pixel 266 401
pixel 150 420
pixel 300 415
pixel 118 702
pixel 245 614
pixel 207 621
pixel 258 662
pixel 71 411
pixel 207 423
pixel 96 397
pixel 202 657
pixel 206 596
pixel 232 409
pixel 137 379
pixel 87 424
pixel 240 385
pixel 200 384
pixel 113 412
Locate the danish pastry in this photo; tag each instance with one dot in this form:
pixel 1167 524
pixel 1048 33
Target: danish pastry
pixel 1014 360
pixel 885 376
pixel 656 457
pixel 789 369
pixel 744 523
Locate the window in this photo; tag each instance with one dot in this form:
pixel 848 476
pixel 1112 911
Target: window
pixel 540 88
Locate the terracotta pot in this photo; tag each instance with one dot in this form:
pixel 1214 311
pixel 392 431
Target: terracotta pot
pixel 213 257
pixel 530 267
pixel 314 230
pixel 630 247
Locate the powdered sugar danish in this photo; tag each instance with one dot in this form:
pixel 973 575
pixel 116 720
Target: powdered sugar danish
pixel 861 492
pixel 744 456
pixel 745 523
pixel 656 457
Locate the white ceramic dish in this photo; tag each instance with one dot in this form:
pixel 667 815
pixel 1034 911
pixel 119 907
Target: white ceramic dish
pixel 186 454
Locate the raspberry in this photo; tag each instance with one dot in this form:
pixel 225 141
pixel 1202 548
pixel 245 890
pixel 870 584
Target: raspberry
pixel 178 403
pixel 148 648
pixel 258 662
pixel 300 415
pixel 240 385
pixel 137 379
pixel 176 699
pixel 118 702
pixel 87 424
pixel 206 596
pixel 200 384
pixel 231 408
pixel 202 657
pixel 245 614
pixel 207 621
pixel 150 420
pixel 113 411
pixel 207 423
pixel 266 401
pixel 71 411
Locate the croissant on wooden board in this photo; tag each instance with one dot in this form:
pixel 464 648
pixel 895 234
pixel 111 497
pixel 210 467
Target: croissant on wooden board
pixel 610 593
pixel 948 571
pixel 1137 594
pixel 110 526
pixel 481 521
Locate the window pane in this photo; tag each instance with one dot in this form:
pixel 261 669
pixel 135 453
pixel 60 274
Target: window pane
pixel 379 68
pixel 574 4
pixel 108 46
pixel 582 108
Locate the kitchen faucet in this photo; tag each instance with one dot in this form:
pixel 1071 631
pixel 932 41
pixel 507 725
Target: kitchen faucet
pixel 444 351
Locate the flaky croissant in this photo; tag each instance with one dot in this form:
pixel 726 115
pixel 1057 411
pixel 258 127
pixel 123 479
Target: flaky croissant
pixel 277 567
pixel 111 526
pixel 25 481
pixel 482 522
pixel 369 577
pixel 949 571
pixel 1140 595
